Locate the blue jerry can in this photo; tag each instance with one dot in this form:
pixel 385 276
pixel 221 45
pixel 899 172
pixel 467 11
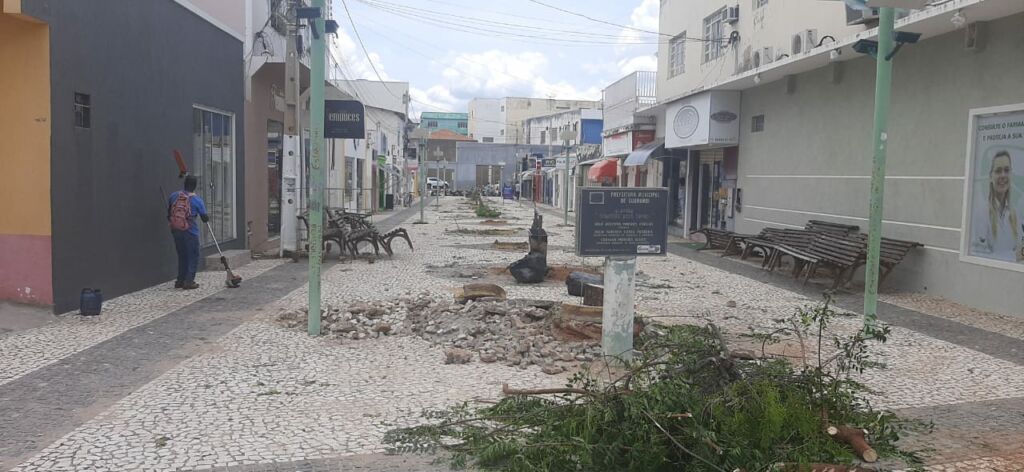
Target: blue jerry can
pixel 91 302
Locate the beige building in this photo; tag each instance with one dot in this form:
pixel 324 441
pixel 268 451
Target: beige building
pixel 500 120
pixel 714 39
pixel 777 144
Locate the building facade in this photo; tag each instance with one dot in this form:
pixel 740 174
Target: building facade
pixel 486 124
pixel 506 116
pixel 369 174
pixel 628 128
pixel 799 147
pixel 436 121
pixel 91 146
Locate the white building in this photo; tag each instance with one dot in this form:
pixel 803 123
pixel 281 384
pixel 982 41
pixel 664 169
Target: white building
pixel 779 143
pixel 506 116
pixel 486 121
pixel 629 126
pixel 362 173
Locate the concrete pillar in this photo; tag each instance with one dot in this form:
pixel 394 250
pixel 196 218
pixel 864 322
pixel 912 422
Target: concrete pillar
pixel 617 320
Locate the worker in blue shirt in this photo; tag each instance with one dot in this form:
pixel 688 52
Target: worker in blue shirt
pixel 182 208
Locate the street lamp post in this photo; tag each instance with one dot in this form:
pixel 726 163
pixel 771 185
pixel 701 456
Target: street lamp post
pixel 437 167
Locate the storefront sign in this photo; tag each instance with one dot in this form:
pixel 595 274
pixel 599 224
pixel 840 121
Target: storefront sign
pixel 619 221
pixel 641 137
pixel 617 144
pixel 344 119
pixel 549 162
pixel 705 119
pixel 994 196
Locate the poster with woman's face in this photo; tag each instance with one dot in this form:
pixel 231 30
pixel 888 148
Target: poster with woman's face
pixel 996 218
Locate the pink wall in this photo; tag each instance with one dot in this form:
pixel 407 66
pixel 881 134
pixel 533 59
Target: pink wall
pixel 26 269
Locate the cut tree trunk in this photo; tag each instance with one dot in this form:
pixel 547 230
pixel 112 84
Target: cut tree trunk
pixel 593 295
pixel 533 268
pixel 477 291
pixel 856 438
pixel 576 280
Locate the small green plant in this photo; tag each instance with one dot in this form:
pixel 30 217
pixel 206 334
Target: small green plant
pixel 685 403
pixel 161 441
pixel 272 391
pixel 485 211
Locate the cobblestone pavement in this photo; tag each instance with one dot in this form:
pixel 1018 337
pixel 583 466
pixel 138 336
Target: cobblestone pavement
pixel 217 385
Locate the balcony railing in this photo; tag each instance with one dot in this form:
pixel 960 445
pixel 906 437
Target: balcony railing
pixel 628 95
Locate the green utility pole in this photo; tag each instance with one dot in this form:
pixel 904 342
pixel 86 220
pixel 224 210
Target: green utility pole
pixel 316 168
pixel 422 169
pixel 883 89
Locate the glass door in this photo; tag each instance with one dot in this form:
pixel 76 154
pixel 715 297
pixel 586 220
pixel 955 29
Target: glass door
pixel 275 154
pixel 214 165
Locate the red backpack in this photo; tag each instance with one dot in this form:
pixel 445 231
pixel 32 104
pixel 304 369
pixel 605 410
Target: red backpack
pixel 181 212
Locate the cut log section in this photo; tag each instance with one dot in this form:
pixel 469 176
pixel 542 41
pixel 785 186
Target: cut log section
pixel 477 291
pixel 856 438
pixel 593 295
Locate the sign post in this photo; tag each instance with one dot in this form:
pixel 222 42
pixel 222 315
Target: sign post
pixel 620 223
pixel 317 125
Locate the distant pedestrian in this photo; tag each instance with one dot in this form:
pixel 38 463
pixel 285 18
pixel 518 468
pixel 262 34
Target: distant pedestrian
pixel 182 208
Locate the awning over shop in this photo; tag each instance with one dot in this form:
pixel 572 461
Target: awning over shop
pixel 589 163
pixel 640 156
pixel 605 171
pixel 526 175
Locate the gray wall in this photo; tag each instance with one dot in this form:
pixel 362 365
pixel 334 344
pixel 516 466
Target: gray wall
pixel 472 154
pixel 822 132
pixel 144 63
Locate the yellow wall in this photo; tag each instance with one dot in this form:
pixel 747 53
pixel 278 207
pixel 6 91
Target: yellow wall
pixel 25 126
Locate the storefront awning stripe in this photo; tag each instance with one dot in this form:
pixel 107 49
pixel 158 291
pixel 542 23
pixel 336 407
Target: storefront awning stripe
pixel 640 156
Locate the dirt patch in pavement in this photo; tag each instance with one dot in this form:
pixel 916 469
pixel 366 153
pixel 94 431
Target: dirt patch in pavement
pixel 486 231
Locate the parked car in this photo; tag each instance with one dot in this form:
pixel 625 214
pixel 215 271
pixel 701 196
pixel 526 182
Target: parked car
pixel 435 183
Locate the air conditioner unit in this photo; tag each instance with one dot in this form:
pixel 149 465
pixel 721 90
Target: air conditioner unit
pixel 732 14
pixel 804 41
pixel 856 16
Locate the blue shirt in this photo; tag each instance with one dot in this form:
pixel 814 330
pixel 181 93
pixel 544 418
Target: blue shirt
pixel 198 208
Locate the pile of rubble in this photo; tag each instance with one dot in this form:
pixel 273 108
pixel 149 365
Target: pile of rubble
pixel 515 332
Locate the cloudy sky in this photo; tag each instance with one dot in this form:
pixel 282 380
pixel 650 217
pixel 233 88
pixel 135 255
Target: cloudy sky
pixel 451 51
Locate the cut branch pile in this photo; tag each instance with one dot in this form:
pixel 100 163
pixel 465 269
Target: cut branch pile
pixel 687 402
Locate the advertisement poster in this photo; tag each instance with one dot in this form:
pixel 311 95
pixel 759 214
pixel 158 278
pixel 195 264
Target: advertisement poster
pixel 995 208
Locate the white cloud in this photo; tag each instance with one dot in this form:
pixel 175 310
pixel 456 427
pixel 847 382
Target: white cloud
pixel 642 63
pixel 643 17
pixel 356 64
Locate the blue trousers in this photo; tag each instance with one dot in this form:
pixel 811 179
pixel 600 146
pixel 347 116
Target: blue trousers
pixel 187 245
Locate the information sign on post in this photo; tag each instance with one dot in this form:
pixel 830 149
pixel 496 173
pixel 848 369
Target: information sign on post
pixel 619 221
pixel 621 224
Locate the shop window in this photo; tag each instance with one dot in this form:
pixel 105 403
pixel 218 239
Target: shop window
pixel 487 140
pixel 83 110
pixel 757 123
pixel 463 125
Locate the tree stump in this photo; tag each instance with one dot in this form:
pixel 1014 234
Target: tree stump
pixel 533 268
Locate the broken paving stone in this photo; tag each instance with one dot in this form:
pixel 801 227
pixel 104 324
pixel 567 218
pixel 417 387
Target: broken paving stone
pixel 731 303
pixel 456 355
pixel 344 327
pixel 488 357
pixel 552 369
pixel 382 328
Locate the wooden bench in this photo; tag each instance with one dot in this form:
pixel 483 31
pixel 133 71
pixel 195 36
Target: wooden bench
pixel 330 233
pixel 829 227
pixel 892 252
pixel 715 238
pixel 793 243
pixel 763 242
pixel 386 239
pixel 840 254
pixel 737 242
